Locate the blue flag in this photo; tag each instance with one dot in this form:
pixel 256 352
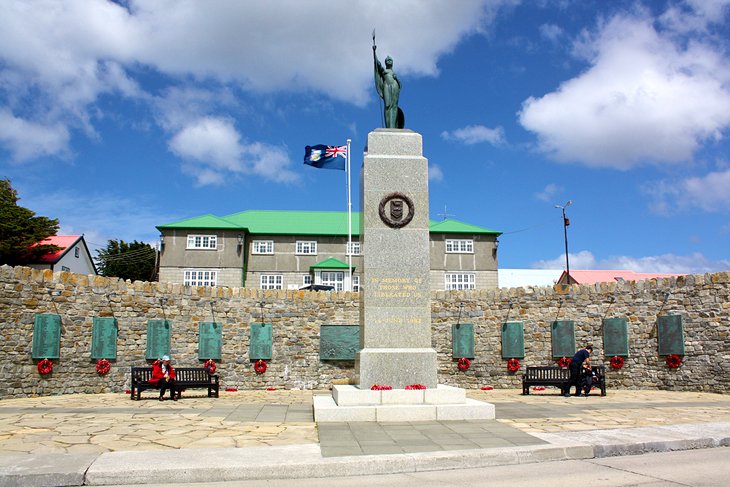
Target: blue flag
pixel 326 156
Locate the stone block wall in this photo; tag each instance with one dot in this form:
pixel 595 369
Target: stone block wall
pixel 702 300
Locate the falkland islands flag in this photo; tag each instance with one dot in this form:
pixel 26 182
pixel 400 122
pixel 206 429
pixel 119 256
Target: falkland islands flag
pixel 326 156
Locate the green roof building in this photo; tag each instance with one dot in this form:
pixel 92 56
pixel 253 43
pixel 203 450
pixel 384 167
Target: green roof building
pixel 270 249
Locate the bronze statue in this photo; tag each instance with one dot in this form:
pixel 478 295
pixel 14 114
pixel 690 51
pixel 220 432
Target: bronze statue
pixel 388 86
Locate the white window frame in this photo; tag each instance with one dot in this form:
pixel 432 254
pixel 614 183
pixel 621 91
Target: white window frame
pixel 263 247
pixel 306 247
pixel 202 242
pixel 356 283
pixel 353 248
pixel 333 278
pixel 200 277
pixel 457 281
pixel 307 280
pixel 271 281
pixel 76 252
pixel 65 269
pixel 460 246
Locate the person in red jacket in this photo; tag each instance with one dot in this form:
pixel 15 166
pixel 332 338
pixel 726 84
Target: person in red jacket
pixel 163 374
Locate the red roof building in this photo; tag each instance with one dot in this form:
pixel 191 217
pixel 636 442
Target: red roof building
pixel 72 256
pixel 596 276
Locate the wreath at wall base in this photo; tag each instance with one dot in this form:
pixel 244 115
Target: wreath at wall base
pixel 617 361
pixel 564 362
pixel 103 366
pixel 45 366
pixel 381 387
pixel 513 365
pixel 210 366
pixel 463 363
pixel 415 387
pixel 674 361
pixel 259 366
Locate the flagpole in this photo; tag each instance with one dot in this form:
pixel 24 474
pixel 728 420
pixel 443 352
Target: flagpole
pixel 349 216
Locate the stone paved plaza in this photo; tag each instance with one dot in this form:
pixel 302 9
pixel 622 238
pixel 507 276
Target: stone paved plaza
pixel 111 422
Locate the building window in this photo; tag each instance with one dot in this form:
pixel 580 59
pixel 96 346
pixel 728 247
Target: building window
pixel 200 278
pixel 307 280
pixel 353 248
pixel 272 281
pixel 306 247
pixel 263 246
pixel 459 281
pixel 464 246
pixel 76 252
pixel 356 283
pixel 335 279
pixel 202 242
pixel 65 269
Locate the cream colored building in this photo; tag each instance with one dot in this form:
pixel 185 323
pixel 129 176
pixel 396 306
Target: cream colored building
pixel 296 249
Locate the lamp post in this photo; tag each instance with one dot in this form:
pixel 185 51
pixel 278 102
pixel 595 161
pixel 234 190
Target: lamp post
pixel 566 222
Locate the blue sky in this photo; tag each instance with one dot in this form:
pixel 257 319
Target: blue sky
pixel 119 116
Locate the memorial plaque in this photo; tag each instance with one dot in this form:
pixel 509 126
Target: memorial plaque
pixel 261 341
pixel 104 333
pixel 339 342
pixel 462 340
pixel 46 336
pixel 513 339
pixel 158 338
pixel 615 337
pixel 670 331
pixel 210 337
pixel 563 338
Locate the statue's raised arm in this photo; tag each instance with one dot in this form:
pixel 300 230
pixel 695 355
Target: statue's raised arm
pixel 388 86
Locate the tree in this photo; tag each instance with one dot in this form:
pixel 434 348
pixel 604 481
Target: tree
pixel 135 261
pixel 20 229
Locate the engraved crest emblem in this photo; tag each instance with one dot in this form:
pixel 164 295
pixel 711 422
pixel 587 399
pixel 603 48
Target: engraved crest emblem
pixel 392 210
pixel 396 209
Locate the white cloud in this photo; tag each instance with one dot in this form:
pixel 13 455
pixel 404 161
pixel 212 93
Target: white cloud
pixel 475 134
pixel 435 174
pixel 213 149
pixel 549 192
pixel 58 58
pixel 647 97
pixel 695 263
pixel 551 32
pixel 709 193
pixel 26 140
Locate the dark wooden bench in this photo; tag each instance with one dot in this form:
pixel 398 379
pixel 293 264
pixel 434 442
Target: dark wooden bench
pixel 185 378
pixel 557 377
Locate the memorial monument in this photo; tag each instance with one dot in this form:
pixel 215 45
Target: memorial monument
pixel 395 300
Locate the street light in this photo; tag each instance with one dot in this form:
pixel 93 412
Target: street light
pixel 566 223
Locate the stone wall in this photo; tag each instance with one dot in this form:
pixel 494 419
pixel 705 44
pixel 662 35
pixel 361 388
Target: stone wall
pixel 703 301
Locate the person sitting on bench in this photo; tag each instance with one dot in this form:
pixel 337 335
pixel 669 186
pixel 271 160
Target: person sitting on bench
pixel 163 374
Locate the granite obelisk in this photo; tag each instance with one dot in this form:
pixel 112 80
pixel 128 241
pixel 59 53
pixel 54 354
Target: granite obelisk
pixel 395 307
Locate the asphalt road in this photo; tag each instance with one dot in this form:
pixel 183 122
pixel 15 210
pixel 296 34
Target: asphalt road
pixel 707 467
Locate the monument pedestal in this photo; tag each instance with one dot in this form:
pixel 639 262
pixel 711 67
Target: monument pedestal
pixel 395 299
pixel 443 403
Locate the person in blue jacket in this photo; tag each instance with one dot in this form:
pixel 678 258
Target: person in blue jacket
pixel 581 357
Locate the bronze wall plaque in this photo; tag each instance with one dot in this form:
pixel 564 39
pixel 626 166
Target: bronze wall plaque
pixel 391 210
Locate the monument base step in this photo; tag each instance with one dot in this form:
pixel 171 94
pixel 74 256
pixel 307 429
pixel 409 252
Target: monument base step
pixel 445 403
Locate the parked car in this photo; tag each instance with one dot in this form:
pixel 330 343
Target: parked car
pixel 317 287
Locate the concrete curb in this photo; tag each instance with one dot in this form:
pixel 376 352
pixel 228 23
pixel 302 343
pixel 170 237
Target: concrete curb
pixel 61 469
pixel 301 461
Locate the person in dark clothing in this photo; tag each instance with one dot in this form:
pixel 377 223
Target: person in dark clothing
pixel 581 357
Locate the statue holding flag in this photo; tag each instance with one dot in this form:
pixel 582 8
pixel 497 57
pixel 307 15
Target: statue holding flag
pixel 388 86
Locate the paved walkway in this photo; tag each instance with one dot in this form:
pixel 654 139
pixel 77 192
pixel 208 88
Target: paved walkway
pixel 282 421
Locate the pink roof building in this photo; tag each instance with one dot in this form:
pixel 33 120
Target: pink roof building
pixel 72 256
pixel 596 276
